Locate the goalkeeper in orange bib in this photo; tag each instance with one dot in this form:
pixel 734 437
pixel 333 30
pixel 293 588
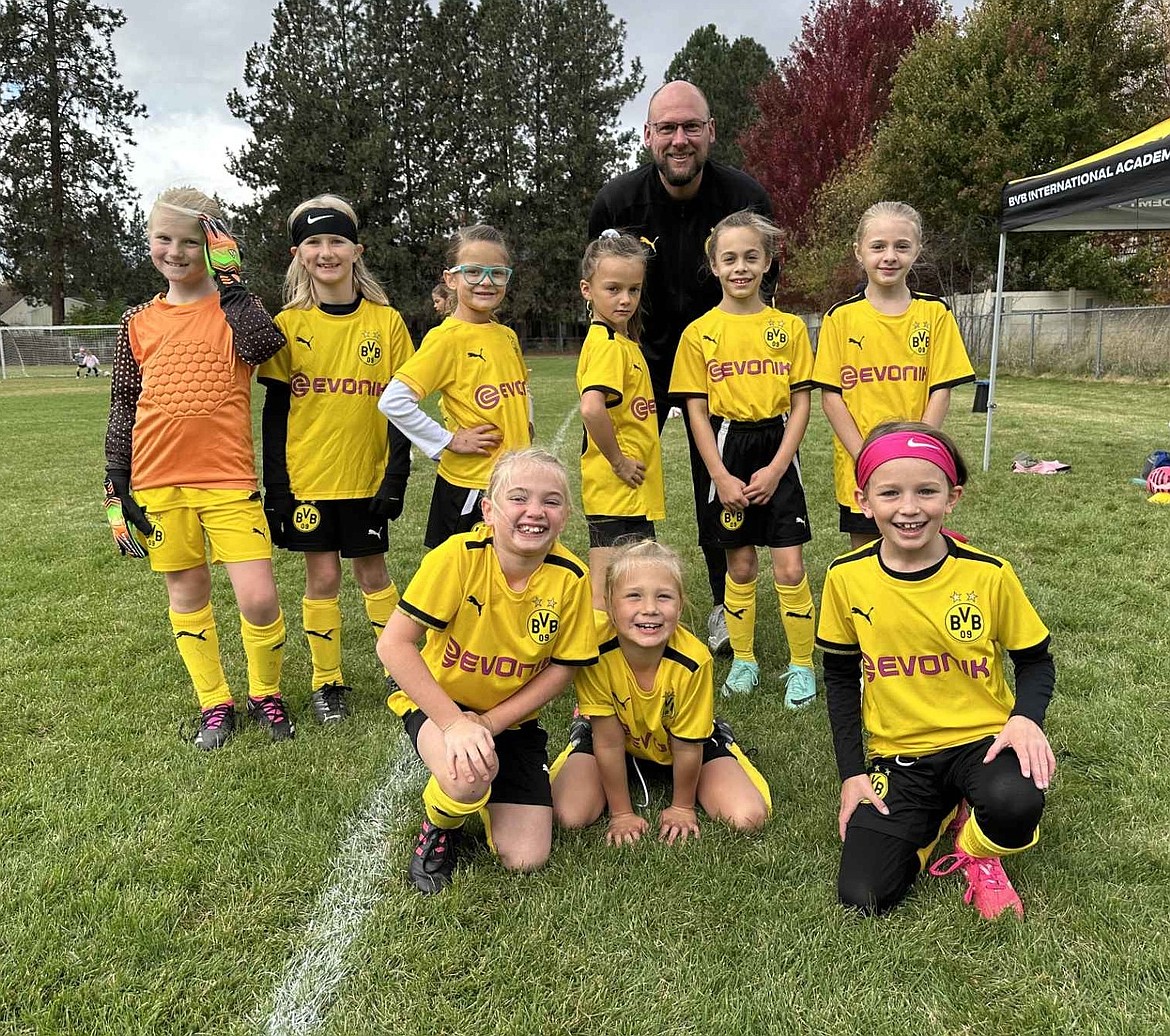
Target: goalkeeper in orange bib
pixel 180 438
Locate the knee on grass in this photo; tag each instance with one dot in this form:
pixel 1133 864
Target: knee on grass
pixel 867 896
pixel 523 858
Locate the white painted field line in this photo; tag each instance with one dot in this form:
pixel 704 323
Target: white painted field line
pixel 302 999
pixel 558 440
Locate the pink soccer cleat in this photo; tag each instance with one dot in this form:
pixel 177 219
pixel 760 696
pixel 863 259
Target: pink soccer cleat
pixel 988 889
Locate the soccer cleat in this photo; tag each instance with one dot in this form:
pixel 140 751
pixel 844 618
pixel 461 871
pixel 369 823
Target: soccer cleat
pixel 433 860
pixel 741 678
pixel 800 686
pixel 391 686
pixel 718 639
pixel 988 889
pixel 329 703
pixel 580 732
pixel 271 712
pixel 216 726
pixel 721 734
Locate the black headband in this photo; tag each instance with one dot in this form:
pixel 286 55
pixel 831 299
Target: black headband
pixel 322 221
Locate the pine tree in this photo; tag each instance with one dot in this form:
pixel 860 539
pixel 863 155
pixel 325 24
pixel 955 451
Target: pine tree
pixel 64 127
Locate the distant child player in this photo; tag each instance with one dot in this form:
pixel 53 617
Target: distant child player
pixel 334 470
pixel 924 621
pixel 180 437
pixel 650 703
pixel 475 364
pixel 745 370
pixel 886 354
pixel 621 459
pixel 508 623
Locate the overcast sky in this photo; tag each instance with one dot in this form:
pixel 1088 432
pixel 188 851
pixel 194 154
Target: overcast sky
pixel 183 56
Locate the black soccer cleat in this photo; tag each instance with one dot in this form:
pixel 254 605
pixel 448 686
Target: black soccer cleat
pixel 271 712
pixel 329 703
pixel 433 860
pixel 216 726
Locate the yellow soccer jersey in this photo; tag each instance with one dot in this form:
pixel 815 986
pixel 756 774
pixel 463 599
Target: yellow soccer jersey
pixel 747 366
pixel 481 375
pixel 336 368
pixel 614 365
pixel 681 705
pixel 885 368
pixel 485 640
pixel 931 645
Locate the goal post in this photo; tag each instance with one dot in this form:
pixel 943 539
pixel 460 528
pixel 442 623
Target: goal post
pixel 55 351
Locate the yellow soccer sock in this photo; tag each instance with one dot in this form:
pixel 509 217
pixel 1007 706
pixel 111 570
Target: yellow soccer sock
pixel 321 619
pixel 739 606
pixel 799 615
pixel 379 607
pixel 974 842
pixel 264 649
pixel 198 644
pixel 446 812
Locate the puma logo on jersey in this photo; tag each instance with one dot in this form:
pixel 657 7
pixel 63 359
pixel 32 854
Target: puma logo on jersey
pixel 864 615
pixel 201 635
pixel 277 647
pixel 260 532
pixel 622 703
pixel 637 366
pixel 477 356
pixel 306 342
pixel 857 341
pixel 735 614
pixel 801 615
pixel 478 605
pixel 708 338
pixel 324 635
pixel 652 245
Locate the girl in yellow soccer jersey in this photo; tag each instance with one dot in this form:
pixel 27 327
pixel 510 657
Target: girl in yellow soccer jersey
pixel 923 622
pixel 621 460
pixel 507 618
pixel 475 364
pixel 180 436
pixel 334 469
pixel 650 703
pixel 888 353
pixel 745 370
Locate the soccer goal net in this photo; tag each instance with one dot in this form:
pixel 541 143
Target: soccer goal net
pixel 53 352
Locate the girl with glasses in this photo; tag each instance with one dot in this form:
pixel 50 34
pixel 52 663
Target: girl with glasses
pixel 475 365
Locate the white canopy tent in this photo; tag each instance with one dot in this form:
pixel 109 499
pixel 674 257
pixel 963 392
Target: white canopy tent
pixel 1125 187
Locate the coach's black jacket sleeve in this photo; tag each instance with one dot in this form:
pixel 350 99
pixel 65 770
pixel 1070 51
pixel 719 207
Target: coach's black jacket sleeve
pixel 843 697
pixel 1035 681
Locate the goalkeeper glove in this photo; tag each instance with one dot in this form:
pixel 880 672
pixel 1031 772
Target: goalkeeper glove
pixel 122 508
pixel 387 502
pixel 278 509
pixel 221 254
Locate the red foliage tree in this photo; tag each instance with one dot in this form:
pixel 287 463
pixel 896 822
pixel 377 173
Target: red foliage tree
pixel 827 96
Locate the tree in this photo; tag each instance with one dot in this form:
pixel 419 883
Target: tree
pixel 64 126
pixel 727 73
pixel 823 102
pixel 1014 88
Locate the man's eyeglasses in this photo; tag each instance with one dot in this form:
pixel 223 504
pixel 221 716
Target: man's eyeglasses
pixel 474 274
pixel 667 130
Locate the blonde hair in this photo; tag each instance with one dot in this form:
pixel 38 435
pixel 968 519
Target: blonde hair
pixel 888 210
pixel 189 201
pixel 614 245
pixel 300 291
pixel 530 456
pixel 443 295
pixel 771 236
pixel 476 232
pixel 631 555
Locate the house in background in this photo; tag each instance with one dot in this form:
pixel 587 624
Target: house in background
pixel 18 311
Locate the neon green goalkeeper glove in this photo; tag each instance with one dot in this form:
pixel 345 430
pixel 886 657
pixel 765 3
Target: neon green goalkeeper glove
pixel 122 508
pixel 221 254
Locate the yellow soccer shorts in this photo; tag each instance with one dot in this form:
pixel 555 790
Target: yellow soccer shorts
pixel 187 520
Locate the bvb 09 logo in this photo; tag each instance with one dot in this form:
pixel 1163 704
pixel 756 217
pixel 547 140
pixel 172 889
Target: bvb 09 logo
pixel 156 538
pixel 543 624
pixel 775 337
pixel 731 519
pixel 880 782
pixel 919 340
pixel 370 351
pixel 964 622
pixel 306 518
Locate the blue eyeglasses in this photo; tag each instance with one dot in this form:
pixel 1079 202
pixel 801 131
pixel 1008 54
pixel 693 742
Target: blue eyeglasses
pixel 474 274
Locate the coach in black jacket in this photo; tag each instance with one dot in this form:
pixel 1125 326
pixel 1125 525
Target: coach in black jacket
pixel 672 204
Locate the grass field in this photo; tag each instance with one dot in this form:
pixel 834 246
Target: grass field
pixel 151 889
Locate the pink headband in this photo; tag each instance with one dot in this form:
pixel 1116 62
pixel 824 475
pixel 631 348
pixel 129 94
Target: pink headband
pixel 895 445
